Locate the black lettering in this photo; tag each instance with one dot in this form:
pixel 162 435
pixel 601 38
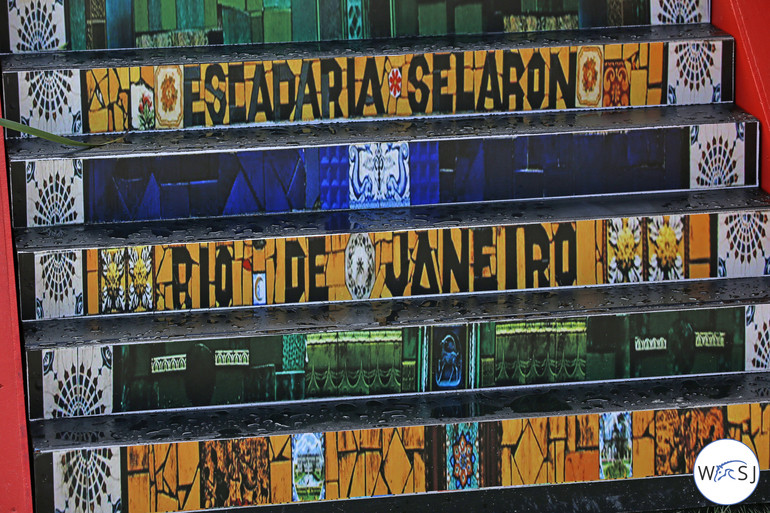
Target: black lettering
pixel 419 106
pixel 536 81
pixel 234 78
pixel 223 276
pixel 482 238
pixel 371 81
pixel 464 100
pixel 512 62
pixel 282 73
pixel 489 87
pixel 218 106
pixel 307 82
pixel 424 264
pixel 397 283
pixel 331 93
pixel 182 265
pixel 442 102
pixel 565 236
pixel 454 264
pixel 260 95
pixel 511 259
pixel 293 250
pixel 559 81
pixel 536 236
pixel 192 74
pixel 316 248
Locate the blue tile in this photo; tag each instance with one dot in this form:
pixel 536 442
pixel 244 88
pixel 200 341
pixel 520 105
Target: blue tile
pixel 284 181
pixel 424 173
pixel 498 169
pixel 333 177
pixel 469 168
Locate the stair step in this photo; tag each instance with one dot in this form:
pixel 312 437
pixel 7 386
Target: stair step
pixel 371 165
pixel 49 25
pixel 636 432
pixel 343 256
pixel 95 92
pixel 261 357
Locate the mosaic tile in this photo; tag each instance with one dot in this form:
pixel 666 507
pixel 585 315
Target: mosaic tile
pixel 308 469
pixel 108 98
pixel 50 100
pixel 717 155
pixel 624 250
pixel 681 434
pixel 58 284
pixel 77 382
pixel 139 288
pixel 758 337
pixel 743 245
pixel 359 266
pixel 87 480
pixel 379 175
pixel 665 12
pixel 169 100
pixel 35 25
pixel 694 72
pixel 163 477
pixel 590 76
pixel 54 192
pixel 112 280
pixel 615 445
pixel 666 248
pixel 462 456
pixel 143 101
pixel 235 461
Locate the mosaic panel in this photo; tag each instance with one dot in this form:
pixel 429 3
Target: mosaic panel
pixel 340 267
pixel 691 75
pixel 163 477
pixel 758 337
pixel 235 93
pixel 717 155
pixel 54 192
pixel 743 246
pixel 390 461
pixel 87 480
pixel 40 24
pixel 50 100
pixel 77 381
pixel 472 170
pixel 223 371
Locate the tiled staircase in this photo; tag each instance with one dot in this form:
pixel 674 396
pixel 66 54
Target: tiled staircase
pixel 306 271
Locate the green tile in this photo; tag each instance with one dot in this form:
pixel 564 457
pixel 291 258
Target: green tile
pixel 257 28
pixel 277 25
pixel 168 14
pixel 572 6
pixel 210 14
pixel 254 5
pixel 141 20
pixel 330 14
pixel 432 19
pixel 468 19
pixel 304 20
pixel 277 4
pixel 78 19
pixel 406 17
pixel 190 14
pixel 233 4
pixel 236 26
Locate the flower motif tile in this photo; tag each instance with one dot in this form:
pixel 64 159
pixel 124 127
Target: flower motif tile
pixel 359 266
pixel 758 337
pixel 58 284
pixel 743 245
pixel 54 192
pixel 112 280
pixel 142 106
pixel 462 456
pixel 50 100
pixel 717 155
pixel 308 472
pixel 139 279
pixel 77 382
pixel 590 73
pixel 694 72
pixel 87 480
pixel 624 250
pixel 667 12
pixel 169 112
pixel 35 25
pixel 616 83
pixel 379 175
pixel 666 247
pixel 615 445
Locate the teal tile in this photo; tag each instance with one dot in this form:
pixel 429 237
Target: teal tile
pixel 468 19
pixel 304 20
pixel 432 19
pixel 190 14
pixel 236 26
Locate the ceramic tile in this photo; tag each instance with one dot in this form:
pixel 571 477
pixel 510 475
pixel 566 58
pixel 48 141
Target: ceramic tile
pixel 665 12
pixel 615 445
pixel 758 337
pixel 58 284
pixel 54 192
pixel 87 480
pixel 50 100
pixel 717 155
pixel 743 245
pixel 308 475
pixel 36 25
pixel 694 72
pixel 379 175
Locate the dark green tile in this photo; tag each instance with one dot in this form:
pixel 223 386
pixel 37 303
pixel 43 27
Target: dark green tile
pixel 304 20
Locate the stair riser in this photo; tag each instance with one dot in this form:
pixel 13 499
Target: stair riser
pixel 89 101
pixel 428 358
pixel 361 266
pixel 310 466
pixel 376 175
pixel 140 23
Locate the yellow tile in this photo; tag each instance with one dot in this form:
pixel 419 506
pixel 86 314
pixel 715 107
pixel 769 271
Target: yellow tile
pixel 281 481
pixel 506 467
pixel 511 431
pixel 193 499
pixel 558 427
pixel 332 491
pixel 418 472
pixel 413 437
pixel 639 87
pixel 370 439
pixel 738 413
pixel 346 468
pixel 138 493
pixel 654 96
pixel 656 62
pixel 331 457
pixel 358 480
pixel 643 458
pixel 558 461
pixel 612 52
pixel 373 460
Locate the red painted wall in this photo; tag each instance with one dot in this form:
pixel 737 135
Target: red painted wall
pixel 747 20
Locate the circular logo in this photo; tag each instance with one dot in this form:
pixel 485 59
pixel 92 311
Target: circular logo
pixel 726 472
pixel 359 266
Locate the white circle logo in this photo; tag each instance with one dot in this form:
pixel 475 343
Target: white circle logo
pixel 726 472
